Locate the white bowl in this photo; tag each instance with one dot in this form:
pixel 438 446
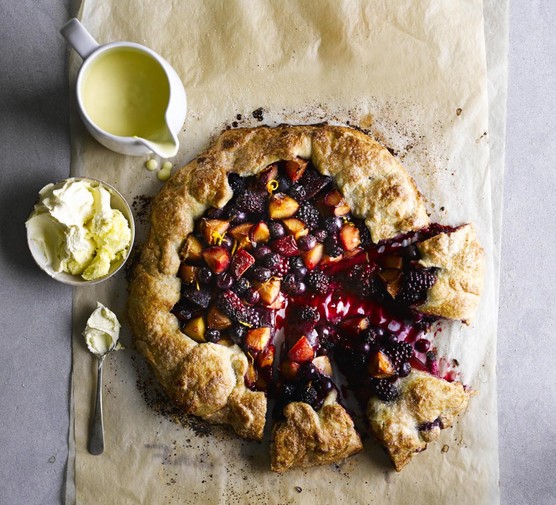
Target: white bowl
pixel 118 202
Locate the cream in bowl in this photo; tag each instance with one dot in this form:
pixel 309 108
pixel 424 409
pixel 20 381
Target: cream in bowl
pixel 80 231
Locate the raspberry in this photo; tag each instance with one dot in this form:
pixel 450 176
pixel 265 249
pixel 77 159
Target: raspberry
pixel 415 285
pixel 385 390
pixel 318 281
pixel 252 201
pixel 230 304
pixel 309 214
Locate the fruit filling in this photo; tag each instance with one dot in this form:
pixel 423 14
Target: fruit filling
pixel 287 253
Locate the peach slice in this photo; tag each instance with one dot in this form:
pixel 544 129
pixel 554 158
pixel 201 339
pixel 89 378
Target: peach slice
pixel 313 257
pixel 282 206
pixel 350 237
pixel 295 168
pixel 213 230
pixel 336 203
pixel 216 320
pixel 269 290
pixel 295 227
pixel 195 329
pixel 192 249
pixel 218 258
pixel 188 273
pixel 380 366
pixel 258 338
pixel 322 364
pixel 259 233
pixel 301 351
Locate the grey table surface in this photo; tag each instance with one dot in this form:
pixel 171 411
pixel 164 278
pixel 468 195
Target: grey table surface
pixel 36 312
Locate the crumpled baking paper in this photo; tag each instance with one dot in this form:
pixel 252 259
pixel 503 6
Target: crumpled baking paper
pixel 413 74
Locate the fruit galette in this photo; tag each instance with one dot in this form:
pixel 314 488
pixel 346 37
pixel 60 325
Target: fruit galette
pixel 280 252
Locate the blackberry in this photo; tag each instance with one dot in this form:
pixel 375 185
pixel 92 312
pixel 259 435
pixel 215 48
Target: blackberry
pixel 318 281
pixel 364 233
pixel 231 305
pixel 241 286
pixel 385 390
pixel 251 201
pixel 320 235
pixel 332 246
pixel 309 214
pixel 308 395
pixel 415 284
pixel 236 182
pixel 362 280
pixel 400 353
pixel 309 314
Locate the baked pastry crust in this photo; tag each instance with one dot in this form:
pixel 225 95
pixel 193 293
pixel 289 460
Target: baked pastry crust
pixel 459 278
pixel 308 438
pixel 360 167
pixel 425 406
pixel 207 379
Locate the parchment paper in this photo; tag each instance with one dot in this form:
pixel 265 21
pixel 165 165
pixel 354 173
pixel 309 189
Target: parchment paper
pixel 413 74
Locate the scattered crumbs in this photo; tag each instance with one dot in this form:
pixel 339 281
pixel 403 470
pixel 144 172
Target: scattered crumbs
pixel 159 402
pixel 459 110
pixel 442 209
pixel 298 489
pixel 151 164
pixel 455 362
pixel 258 114
pixel 238 117
pixel 52 459
pixel 141 206
pixel 484 134
pixel 235 124
pixel 445 448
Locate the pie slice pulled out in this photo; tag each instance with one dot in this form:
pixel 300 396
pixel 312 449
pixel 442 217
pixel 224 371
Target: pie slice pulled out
pixel 280 251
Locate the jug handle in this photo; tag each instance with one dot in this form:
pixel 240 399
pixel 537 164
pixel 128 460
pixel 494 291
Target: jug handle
pixel 79 38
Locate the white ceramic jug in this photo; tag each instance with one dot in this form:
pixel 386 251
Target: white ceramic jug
pixel 130 99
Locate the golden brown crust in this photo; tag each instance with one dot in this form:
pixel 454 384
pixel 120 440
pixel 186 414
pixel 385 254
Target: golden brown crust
pixel 459 258
pixel 425 406
pixel 372 181
pixel 308 438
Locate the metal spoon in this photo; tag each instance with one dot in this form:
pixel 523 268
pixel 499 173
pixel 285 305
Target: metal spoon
pixel 101 336
pixel 96 435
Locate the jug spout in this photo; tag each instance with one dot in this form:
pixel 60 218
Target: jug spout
pixel 165 144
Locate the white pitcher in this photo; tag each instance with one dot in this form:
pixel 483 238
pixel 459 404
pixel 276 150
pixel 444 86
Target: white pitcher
pixel 130 99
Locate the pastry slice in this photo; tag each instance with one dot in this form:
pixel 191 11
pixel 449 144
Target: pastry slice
pixel 307 437
pixel 422 407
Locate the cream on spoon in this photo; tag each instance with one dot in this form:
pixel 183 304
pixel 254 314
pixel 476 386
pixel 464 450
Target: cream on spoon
pixel 101 336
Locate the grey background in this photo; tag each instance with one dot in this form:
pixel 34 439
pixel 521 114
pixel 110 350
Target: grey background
pixel 36 312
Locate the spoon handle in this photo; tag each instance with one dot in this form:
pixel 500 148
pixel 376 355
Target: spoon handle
pixel 96 435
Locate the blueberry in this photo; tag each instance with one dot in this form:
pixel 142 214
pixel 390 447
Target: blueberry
pixel 261 252
pixel 307 242
pixel 252 296
pixel 237 333
pixel 276 229
pixel 204 275
pixel 212 335
pixel 261 274
pixel 332 224
pixel 224 281
pixel 405 369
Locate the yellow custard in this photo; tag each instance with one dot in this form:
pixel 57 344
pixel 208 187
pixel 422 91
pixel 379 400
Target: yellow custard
pixel 125 92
